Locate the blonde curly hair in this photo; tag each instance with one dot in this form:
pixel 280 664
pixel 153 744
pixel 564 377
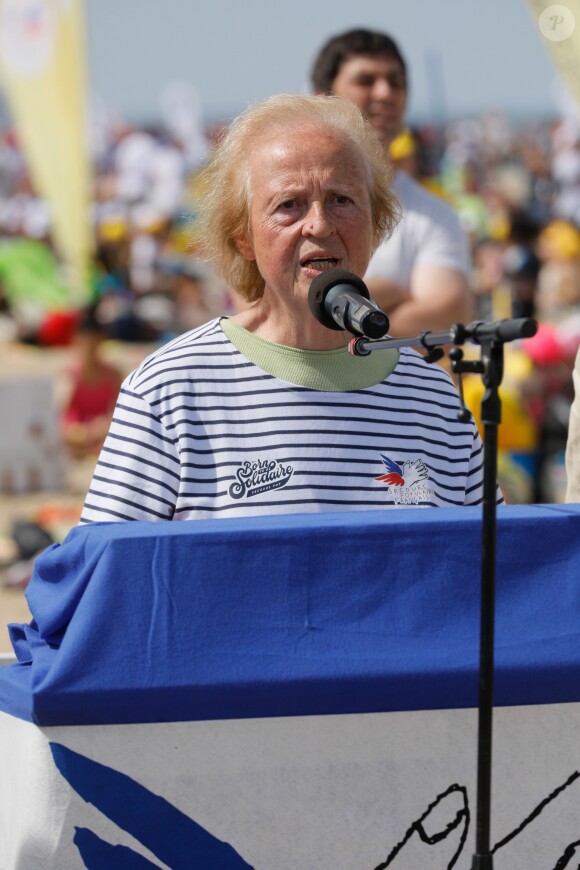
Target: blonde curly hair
pixel 226 183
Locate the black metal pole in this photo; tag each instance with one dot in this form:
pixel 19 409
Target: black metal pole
pixel 491 417
pixel 491 338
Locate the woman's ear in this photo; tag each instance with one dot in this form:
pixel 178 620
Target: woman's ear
pixel 245 247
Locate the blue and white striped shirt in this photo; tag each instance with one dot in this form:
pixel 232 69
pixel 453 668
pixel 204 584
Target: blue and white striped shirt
pixel 201 431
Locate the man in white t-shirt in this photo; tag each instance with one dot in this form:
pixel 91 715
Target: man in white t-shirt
pixel 419 276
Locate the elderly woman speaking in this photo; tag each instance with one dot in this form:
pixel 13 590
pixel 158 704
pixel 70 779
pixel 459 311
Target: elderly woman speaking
pixel 266 411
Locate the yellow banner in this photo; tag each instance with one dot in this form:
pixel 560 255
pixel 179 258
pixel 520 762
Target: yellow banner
pixel 42 70
pixel 559 29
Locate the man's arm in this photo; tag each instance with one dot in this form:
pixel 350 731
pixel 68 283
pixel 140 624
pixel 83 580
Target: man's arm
pixel 573 442
pixel 436 298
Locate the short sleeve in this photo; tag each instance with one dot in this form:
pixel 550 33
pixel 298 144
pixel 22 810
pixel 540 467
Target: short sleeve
pixel 137 476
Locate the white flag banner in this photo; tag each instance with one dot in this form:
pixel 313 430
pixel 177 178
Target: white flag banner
pixel 43 73
pixel 559 29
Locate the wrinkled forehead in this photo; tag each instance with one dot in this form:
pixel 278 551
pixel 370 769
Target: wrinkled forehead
pixel 309 150
pixel 294 131
pixel 305 143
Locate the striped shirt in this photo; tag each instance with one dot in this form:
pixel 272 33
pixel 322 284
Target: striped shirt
pixel 201 431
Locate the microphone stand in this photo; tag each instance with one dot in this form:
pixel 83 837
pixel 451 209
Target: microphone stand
pixel 491 338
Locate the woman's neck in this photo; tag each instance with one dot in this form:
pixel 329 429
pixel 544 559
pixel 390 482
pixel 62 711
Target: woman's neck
pixel 289 323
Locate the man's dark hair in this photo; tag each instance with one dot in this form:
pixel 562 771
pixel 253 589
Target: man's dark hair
pixel 340 48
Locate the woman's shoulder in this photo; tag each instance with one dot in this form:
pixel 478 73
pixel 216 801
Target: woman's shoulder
pixel 414 365
pixel 181 352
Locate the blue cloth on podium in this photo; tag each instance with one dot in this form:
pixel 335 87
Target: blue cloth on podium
pixel 295 615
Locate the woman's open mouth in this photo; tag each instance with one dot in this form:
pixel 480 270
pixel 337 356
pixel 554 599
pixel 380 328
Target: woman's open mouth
pixel 320 264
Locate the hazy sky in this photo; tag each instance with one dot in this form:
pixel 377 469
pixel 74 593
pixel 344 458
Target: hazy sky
pixel 465 56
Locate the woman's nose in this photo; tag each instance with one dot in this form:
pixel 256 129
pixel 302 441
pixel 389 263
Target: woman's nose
pixel 317 221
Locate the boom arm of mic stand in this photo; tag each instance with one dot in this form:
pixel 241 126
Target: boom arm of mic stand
pixel 478 332
pixel 427 339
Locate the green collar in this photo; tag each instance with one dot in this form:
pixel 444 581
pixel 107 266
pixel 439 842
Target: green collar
pixel 327 370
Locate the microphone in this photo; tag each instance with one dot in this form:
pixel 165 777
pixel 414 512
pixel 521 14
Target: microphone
pixel 340 300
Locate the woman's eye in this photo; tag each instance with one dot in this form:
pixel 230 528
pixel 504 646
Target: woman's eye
pixel 341 200
pixel 288 204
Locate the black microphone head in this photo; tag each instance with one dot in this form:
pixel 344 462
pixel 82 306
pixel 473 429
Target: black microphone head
pixel 322 285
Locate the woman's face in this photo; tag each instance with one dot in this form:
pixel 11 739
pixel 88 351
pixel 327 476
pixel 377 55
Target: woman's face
pixel 310 209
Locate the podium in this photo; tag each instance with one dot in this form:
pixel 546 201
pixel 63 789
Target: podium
pixel 292 691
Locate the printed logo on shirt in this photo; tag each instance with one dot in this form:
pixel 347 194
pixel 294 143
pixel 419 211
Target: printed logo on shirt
pixel 262 475
pixel 406 480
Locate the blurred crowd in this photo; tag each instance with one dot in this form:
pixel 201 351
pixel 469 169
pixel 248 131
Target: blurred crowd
pixel 145 278
pixel 516 188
